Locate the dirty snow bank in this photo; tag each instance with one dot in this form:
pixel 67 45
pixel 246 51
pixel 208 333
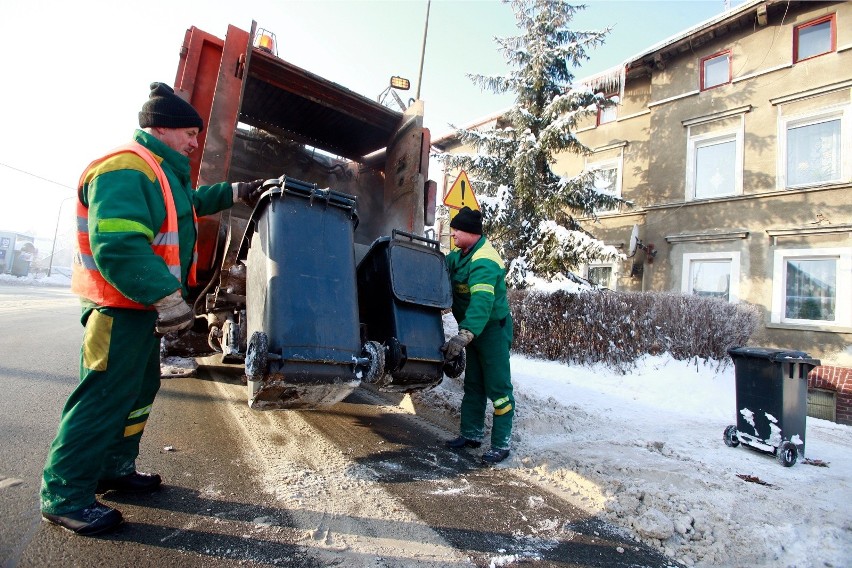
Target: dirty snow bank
pixel 645 451
pixel 55 279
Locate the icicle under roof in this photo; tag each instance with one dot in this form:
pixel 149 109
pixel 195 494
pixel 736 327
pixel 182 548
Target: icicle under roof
pixel 610 81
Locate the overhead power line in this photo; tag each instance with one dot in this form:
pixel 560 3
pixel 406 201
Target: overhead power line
pixel 36 176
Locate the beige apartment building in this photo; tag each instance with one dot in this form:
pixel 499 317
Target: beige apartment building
pixel 733 142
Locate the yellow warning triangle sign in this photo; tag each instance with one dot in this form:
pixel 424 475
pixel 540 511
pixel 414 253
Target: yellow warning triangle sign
pixel 461 194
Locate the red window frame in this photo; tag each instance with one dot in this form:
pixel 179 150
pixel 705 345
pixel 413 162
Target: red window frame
pixel 600 110
pixel 714 56
pixel 822 20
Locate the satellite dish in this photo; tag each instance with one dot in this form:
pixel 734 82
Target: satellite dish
pixel 634 241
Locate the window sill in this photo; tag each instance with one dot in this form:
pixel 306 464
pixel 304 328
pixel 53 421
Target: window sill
pixel 694 198
pixel 705 88
pixel 800 327
pixel 797 60
pixel 815 185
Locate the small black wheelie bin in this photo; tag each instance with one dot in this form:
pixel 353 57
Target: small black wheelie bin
pixel 403 285
pixel 772 400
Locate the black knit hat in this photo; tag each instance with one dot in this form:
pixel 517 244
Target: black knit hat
pixel 164 108
pixel 468 220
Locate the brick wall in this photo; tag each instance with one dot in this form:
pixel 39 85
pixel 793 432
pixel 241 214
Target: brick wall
pixel 839 380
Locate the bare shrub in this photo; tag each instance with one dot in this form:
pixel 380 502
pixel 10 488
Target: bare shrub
pixel 617 328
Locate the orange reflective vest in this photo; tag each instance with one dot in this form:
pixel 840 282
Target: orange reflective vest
pixel 86 280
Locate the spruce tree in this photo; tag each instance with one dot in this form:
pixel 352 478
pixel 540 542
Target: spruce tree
pixel 528 209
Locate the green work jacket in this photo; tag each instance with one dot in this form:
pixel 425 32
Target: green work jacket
pixel 478 279
pixel 126 209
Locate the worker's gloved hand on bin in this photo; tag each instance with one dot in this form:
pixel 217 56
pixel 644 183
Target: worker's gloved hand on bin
pixel 455 345
pixel 174 314
pixel 247 191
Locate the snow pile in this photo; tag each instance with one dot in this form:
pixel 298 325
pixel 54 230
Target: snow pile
pixel 559 282
pixel 173 367
pixel 55 279
pixel 645 452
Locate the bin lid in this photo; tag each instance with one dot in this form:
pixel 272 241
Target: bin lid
pixel 772 354
pixel 329 199
pixel 419 275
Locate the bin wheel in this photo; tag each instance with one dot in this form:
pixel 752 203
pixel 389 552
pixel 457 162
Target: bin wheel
pixel 396 355
pixel 375 352
pixel 455 367
pixel 787 454
pixel 256 356
pixel 730 437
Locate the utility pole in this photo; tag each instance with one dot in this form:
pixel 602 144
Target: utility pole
pixel 423 50
pixel 56 233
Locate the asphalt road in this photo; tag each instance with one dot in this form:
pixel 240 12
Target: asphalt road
pixel 362 483
pixel 39 335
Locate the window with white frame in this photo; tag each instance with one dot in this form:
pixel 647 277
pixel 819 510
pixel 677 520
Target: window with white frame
pixel 606 178
pixel 602 275
pixel 714 166
pixel 811 286
pixel 716 70
pixel 814 38
pixel 811 148
pixel 712 274
pixel 610 112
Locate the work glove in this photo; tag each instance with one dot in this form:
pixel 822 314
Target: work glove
pixel 247 191
pixel 453 348
pixel 174 314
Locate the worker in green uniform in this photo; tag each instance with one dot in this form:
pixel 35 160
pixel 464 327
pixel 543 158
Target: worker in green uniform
pixel 481 309
pixel 136 251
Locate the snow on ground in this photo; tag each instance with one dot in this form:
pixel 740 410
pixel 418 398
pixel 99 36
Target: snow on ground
pixel 56 279
pixel 645 451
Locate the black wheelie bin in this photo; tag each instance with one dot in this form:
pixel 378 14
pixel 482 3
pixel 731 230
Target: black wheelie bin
pixel 772 400
pixel 301 298
pixel 403 286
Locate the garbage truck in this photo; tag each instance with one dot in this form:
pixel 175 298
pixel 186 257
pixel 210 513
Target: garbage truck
pixel 300 290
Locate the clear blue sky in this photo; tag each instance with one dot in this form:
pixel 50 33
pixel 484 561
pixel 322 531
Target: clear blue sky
pixel 77 72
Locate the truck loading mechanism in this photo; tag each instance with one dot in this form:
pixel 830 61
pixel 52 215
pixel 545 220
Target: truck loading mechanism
pixel 279 287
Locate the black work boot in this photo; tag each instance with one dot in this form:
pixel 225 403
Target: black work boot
pixel 495 455
pixel 136 482
pixel 462 442
pixel 94 519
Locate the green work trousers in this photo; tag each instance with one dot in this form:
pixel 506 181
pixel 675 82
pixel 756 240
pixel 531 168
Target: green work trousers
pixel 103 419
pixel 488 377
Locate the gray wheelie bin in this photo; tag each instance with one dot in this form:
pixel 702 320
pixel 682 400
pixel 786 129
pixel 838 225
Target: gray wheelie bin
pixel 305 345
pixel 403 285
pixel 772 399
